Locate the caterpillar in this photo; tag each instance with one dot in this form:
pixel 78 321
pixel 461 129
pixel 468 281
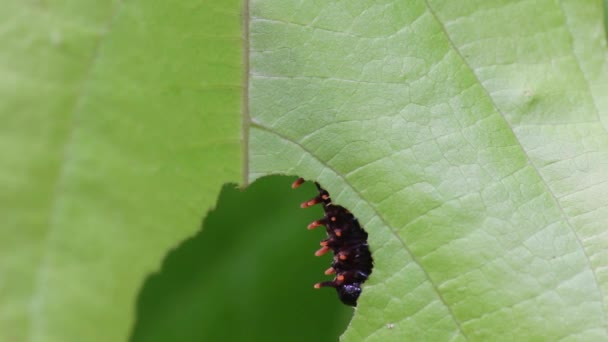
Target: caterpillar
pixel 352 263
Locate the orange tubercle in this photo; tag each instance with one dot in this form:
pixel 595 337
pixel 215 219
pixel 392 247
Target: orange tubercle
pixel 322 251
pixel 309 203
pixel 297 183
pixel 314 224
pixel 329 271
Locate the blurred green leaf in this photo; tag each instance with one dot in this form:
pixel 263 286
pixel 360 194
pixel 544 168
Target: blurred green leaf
pixel 119 125
pixel 606 15
pixel 469 138
pixel 247 276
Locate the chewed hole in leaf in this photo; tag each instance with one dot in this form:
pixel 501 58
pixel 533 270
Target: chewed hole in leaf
pixel 247 275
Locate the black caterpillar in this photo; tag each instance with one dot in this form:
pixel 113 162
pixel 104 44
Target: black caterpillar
pixel 353 261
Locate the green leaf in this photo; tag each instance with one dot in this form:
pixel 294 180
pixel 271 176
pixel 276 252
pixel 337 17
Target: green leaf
pixel 606 15
pixel 468 137
pixel 119 126
pixel 470 140
pixel 245 276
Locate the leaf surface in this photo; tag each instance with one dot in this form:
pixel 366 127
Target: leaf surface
pixel 120 123
pixel 470 140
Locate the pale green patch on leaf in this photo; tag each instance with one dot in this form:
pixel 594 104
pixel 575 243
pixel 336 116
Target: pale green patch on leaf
pixel 119 125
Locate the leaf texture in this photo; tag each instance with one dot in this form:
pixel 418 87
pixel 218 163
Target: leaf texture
pixel 470 140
